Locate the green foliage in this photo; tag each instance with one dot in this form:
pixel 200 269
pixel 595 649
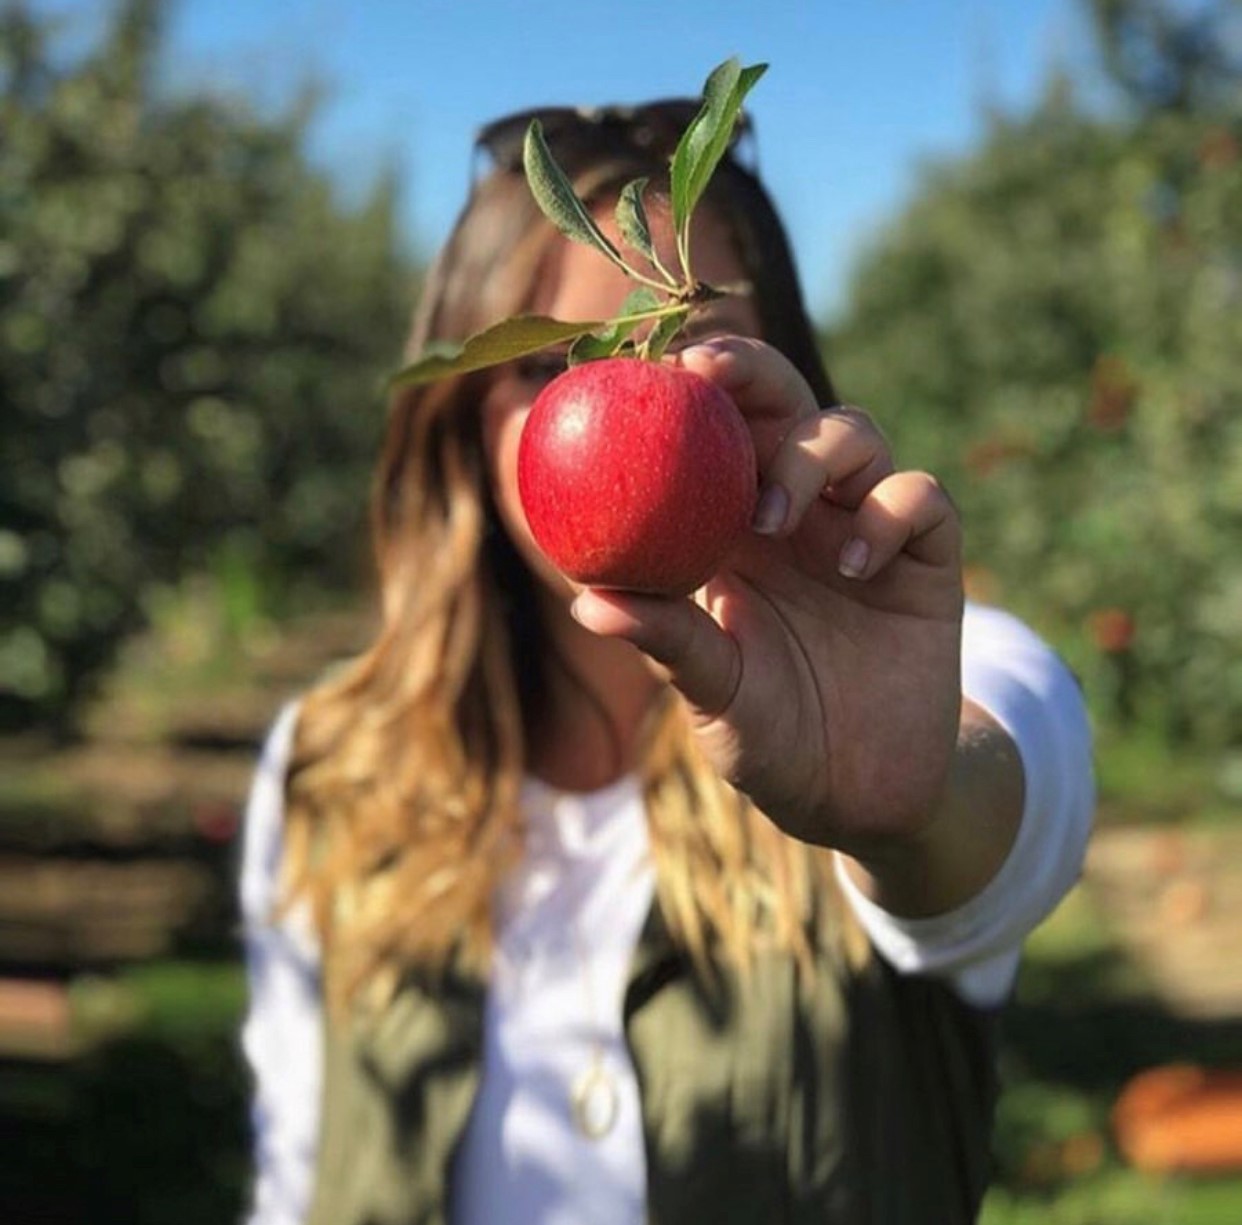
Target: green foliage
pixel 1054 325
pixel 502 342
pixel 1167 56
pixel 1117 1197
pixel 192 334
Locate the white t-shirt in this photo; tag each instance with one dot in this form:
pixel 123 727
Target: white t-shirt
pixel 554 1003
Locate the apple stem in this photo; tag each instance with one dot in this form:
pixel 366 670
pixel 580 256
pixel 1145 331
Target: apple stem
pixel 664 287
pixel 683 255
pixel 672 282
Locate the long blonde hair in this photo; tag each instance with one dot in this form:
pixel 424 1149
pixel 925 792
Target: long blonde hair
pixel 402 794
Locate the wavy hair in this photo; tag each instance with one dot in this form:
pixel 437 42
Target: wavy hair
pixel 402 793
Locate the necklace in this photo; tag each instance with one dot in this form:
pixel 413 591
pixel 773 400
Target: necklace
pixel 593 1097
pixel 595 1100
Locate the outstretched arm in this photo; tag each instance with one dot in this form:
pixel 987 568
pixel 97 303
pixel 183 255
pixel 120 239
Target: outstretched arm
pixel 823 662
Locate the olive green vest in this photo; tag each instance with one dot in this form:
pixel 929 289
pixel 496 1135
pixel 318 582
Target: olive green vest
pixel 863 1099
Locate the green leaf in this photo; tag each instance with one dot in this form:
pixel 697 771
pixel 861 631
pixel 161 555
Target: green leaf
pixel 632 218
pixel 663 333
pixel 502 342
pixel 705 141
pixel 614 336
pixel 640 301
pixel 591 348
pixel 555 195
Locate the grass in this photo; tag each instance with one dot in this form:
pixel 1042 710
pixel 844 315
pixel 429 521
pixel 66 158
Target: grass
pixel 1083 1022
pixel 1114 1196
pixel 148 1126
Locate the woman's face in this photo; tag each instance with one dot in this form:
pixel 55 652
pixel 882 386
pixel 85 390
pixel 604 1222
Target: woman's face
pixel 584 285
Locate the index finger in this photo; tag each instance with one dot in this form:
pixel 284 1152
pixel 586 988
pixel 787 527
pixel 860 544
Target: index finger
pixel 764 384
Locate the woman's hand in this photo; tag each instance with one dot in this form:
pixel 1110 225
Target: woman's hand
pixel 822 662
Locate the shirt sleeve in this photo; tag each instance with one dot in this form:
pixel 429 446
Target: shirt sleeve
pixel 1009 671
pixel 281 1036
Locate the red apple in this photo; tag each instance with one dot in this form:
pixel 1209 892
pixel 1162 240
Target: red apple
pixel 636 475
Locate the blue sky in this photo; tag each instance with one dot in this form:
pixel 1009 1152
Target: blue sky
pixel 857 97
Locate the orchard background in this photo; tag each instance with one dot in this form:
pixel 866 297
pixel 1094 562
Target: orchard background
pixel 194 331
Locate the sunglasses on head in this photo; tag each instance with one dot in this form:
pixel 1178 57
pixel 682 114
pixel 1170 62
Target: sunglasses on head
pixel 652 128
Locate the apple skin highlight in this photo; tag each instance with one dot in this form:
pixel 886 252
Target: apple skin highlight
pixel 636 476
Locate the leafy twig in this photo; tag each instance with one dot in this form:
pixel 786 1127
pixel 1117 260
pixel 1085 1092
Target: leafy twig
pixel 667 301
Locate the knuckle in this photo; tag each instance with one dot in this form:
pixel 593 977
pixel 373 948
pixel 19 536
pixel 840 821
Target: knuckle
pixel 857 418
pixel 911 487
pixel 932 489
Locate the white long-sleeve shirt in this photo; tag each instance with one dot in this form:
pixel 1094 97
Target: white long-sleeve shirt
pixel 554 1003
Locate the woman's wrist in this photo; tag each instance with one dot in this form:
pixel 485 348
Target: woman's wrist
pixel 964 841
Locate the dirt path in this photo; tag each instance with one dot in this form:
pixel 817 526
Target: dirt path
pixel 1174 900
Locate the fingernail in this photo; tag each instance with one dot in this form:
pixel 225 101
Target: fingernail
pixel 599 614
pixel 708 347
pixel 772 511
pixel 582 608
pixel 854 557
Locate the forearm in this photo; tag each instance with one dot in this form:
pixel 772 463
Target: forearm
pixel 967 838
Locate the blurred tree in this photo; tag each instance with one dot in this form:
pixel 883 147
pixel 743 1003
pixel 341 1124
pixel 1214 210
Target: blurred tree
pixel 192 333
pixel 1170 57
pixel 1054 325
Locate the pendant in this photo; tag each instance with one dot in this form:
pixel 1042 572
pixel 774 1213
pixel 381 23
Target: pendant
pixel 596 1102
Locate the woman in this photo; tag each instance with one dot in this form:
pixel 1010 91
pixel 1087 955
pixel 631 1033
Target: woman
pixel 572 906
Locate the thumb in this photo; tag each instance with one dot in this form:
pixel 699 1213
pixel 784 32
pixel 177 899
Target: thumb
pixel 703 661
